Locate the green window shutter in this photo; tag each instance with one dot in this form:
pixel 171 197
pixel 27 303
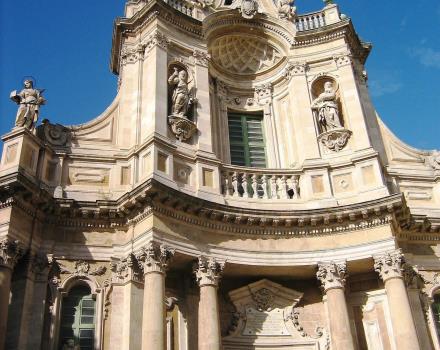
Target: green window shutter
pixel 246 139
pixel 78 318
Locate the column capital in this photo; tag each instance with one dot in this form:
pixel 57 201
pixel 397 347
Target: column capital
pixel 389 264
pixel 125 269
pixel 208 271
pixel 39 266
pixel 154 258
pixel 332 275
pixel 10 252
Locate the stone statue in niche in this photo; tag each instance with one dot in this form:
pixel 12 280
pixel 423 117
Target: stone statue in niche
pixel 180 102
pixel 29 101
pixel 332 135
pixel 286 9
pixel 327 106
pixel 247 8
pixel 181 99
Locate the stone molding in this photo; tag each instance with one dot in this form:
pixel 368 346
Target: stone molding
pixel 208 271
pixel 154 258
pixel 389 265
pixel 10 252
pixel 332 275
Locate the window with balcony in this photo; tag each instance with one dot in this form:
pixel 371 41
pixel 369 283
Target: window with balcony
pixel 78 319
pixel 246 140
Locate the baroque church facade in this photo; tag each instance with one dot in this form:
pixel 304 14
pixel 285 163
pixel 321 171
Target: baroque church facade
pixel 239 193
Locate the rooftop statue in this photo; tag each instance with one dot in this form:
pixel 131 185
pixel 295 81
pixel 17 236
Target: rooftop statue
pixel 29 101
pixel 181 98
pixel 327 106
pixel 286 9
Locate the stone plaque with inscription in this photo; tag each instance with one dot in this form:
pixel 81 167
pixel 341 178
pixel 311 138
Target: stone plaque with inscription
pixel 265 323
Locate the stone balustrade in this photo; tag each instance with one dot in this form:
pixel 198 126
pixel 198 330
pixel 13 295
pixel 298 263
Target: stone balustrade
pixel 310 21
pixel 182 6
pixel 259 183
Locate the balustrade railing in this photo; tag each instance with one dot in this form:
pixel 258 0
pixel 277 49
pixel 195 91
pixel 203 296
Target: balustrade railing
pixel 182 6
pixel 310 21
pixel 240 182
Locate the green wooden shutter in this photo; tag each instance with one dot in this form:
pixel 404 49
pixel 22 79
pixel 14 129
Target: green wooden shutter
pixel 78 318
pixel 246 139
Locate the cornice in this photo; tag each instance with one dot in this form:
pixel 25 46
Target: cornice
pixel 153 10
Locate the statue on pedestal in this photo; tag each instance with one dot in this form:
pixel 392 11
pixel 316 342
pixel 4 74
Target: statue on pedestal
pixel 29 100
pixel 327 106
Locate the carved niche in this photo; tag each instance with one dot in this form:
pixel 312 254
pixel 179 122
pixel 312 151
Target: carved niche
pixel 181 102
pixel 265 316
pixel 327 110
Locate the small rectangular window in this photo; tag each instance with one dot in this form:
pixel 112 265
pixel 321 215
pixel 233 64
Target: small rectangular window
pixel 246 139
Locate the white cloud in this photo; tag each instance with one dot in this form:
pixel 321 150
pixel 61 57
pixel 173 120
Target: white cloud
pixel 427 56
pixel 384 86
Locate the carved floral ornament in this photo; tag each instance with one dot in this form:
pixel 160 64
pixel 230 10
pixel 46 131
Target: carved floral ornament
pixel 82 268
pixel 154 258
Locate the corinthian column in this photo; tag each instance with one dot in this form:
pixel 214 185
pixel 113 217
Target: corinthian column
pixel 332 277
pixel 208 272
pixel 389 267
pixel 10 252
pixel 153 260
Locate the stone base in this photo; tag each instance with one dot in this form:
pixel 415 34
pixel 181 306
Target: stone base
pixel 335 140
pixel 182 127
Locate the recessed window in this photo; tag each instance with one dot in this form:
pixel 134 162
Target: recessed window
pixel 246 139
pixel 436 313
pixel 78 319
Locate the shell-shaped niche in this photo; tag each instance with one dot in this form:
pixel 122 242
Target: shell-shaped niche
pixel 244 55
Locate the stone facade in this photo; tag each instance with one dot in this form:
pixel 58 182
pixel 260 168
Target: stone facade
pixel 332 245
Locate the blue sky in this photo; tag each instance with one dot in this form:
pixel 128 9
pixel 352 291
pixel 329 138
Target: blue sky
pixel 66 45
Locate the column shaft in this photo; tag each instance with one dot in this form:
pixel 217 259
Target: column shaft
pixel 405 334
pixel 5 289
pixel 209 322
pixel 153 325
pixel 340 328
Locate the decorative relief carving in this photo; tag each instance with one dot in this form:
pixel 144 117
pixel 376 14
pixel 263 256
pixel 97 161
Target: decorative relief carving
pixel 335 140
pixel 244 55
pixel 263 92
pixel 433 160
pixel 54 134
pixel 332 275
pixel 263 299
pixel 294 316
pixel 201 58
pixel 294 69
pixel 389 265
pixel 154 258
pixel 130 54
pixel 10 252
pixel 82 268
pixel 208 271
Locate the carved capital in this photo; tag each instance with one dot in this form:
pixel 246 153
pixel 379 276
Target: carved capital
pixel 40 266
pixel 132 54
pixel 295 69
pixel 208 271
pixel 343 60
pixel 201 58
pixel 125 270
pixel 263 92
pixel 433 160
pixel 389 265
pixel 10 253
pixel 413 279
pixel 156 39
pixel 332 275
pixel 154 258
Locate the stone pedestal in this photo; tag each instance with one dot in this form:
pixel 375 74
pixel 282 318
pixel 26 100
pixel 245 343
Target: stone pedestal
pixel 332 277
pixel 208 272
pixel 389 267
pixel 10 252
pixel 154 260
